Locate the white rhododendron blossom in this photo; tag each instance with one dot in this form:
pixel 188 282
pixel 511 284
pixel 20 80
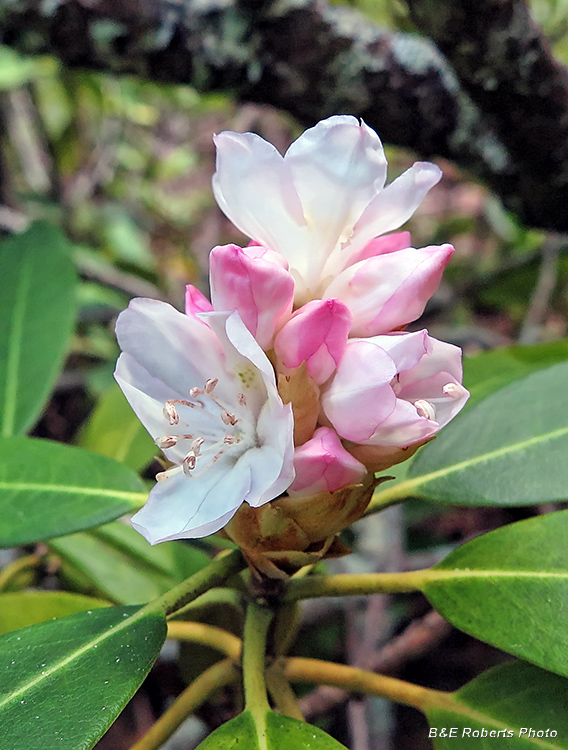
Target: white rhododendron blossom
pixel 206 393
pixel 323 203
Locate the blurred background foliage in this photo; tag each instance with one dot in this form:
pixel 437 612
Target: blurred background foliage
pixel 124 167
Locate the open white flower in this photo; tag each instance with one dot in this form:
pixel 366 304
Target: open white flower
pixel 320 204
pixel 206 393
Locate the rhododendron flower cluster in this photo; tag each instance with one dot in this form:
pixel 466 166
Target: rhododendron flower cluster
pixel 296 377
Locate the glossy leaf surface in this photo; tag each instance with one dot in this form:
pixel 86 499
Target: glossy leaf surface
pixel 65 681
pixel 37 314
pixel 510 588
pixel 120 564
pixel 510 449
pixel 282 733
pixel 23 608
pixel 49 489
pixel 510 700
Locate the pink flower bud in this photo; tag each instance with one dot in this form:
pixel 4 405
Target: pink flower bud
pixel 196 302
pixel 323 465
pixel 317 335
pixel 390 290
pixel 251 282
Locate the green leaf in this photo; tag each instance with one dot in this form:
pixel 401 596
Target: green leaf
pixel 510 449
pixel 121 564
pixel 37 315
pixel 511 699
pixel 115 431
pixel 64 682
pixel 282 733
pixel 23 608
pixel 487 372
pixel 510 588
pixel 49 489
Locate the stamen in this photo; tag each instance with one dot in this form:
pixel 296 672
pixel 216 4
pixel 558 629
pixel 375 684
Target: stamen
pixel 196 445
pixel 168 441
pixel 452 390
pixel 228 419
pixel 231 440
pixel 188 463
pixel 171 413
pixel 210 384
pixel 193 392
pixel 425 409
pixel 241 398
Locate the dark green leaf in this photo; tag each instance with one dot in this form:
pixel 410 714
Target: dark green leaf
pixel 37 313
pixel 282 733
pixel 514 700
pixel 120 564
pixel 64 682
pixel 510 449
pixel 510 588
pixel 486 373
pixel 48 489
pixel 114 430
pixel 23 608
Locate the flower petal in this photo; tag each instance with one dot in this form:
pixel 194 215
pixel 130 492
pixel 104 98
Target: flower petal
pixel 388 291
pixel 338 167
pixel 261 290
pixel 254 188
pixel 359 396
pixel 196 301
pixel 323 465
pixel 395 204
pixel 184 508
pixel 172 347
pixel 316 334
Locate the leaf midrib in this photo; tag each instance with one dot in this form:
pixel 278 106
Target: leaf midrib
pixel 63 662
pixel 453 704
pixel 130 495
pixel 409 484
pixel 15 347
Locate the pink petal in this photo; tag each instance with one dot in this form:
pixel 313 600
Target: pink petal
pixel 388 243
pixel 261 290
pixel 317 334
pixel 388 291
pixel 359 397
pixel 196 301
pixel 394 205
pixel 323 465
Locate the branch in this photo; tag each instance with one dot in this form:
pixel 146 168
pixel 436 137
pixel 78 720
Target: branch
pixel 507 67
pixel 312 60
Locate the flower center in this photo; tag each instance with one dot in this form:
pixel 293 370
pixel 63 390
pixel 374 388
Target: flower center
pixel 218 429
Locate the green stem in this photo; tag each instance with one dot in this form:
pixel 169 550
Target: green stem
pixel 215 574
pixel 220 674
pixel 349 585
pixel 208 635
pixel 359 680
pixel 12 571
pixel 213 597
pixel 281 692
pixel 257 622
pixel 383 498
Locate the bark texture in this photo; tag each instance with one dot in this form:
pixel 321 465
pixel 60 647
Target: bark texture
pixel 313 60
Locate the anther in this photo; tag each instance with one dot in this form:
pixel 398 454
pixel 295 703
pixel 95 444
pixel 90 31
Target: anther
pixel 241 398
pixel 166 441
pixel 193 392
pixel 171 413
pixel 196 445
pixel 425 409
pixel 230 440
pixel 188 463
pixel 228 419
pixel 452 390
pixel 210 384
